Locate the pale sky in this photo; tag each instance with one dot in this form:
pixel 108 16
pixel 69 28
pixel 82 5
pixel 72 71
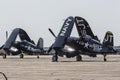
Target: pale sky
pixel 36 16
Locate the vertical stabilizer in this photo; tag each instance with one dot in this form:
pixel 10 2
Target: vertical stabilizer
pixel 40 43
pixel 108 40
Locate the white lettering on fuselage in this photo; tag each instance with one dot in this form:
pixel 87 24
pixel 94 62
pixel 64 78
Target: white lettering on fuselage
pixel 64 29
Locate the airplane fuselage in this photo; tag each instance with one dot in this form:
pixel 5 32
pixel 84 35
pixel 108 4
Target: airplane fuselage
pixel 26 46
pixel 87 48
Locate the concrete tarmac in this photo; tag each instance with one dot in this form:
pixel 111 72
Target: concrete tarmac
pixel 31 68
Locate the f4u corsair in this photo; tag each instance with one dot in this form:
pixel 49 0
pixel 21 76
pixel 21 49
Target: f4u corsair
pixel 26 45
pixel 86 44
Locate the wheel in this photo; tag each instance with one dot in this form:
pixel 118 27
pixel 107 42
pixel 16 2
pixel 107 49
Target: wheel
pixel 4 56
pixel 79 58
pixel 37 57
pixel 105 59
pixel 21 55
pixel 54 58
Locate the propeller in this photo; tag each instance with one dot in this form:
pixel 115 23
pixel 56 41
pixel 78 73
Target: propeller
pixel 6 35
pixel 50 48
pixel 64 33
pixel 52 33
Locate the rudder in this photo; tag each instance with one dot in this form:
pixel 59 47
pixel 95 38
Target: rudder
pixel 40 43
pixel 108 39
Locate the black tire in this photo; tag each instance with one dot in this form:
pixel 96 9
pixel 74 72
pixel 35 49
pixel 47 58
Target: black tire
pixel 105 59
pixel 54 58
pixel 4 56
pixel 79 58
pixel 21 56
pixel 38 57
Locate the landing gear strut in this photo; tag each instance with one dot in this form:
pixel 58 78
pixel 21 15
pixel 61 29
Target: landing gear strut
pixel 105 58
pixel 55 58
pixel 78 58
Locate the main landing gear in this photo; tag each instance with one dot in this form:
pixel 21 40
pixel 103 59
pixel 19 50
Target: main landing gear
pixel 55 58
pixel 105 59
pixel 21 56
pixel 78 58
pixel 4 56
pixel 38 57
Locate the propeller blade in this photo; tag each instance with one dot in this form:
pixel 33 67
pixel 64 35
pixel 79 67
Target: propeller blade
pixel 52 33
pixel 6 35
pixel 50 48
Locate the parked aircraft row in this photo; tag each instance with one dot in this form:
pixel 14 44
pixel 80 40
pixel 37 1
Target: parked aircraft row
pixel 25 45
pixel 86 44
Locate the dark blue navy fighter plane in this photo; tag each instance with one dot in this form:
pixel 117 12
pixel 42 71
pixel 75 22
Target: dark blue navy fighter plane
pixel 25 44
pixel 86 44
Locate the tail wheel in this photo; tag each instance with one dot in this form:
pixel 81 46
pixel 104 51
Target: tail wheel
pixel 21 56
pixel 79 58
pixel 38 57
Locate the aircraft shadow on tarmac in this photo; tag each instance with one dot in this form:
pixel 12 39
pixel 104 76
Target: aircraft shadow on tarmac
pixel 92 61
